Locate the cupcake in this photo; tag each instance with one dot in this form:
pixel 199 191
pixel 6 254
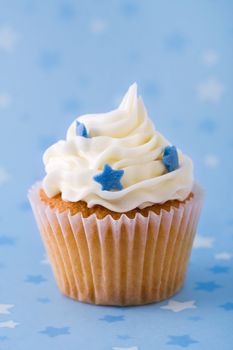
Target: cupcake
pixel 117 209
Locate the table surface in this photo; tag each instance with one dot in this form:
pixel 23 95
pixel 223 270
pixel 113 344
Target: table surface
pixel 59 59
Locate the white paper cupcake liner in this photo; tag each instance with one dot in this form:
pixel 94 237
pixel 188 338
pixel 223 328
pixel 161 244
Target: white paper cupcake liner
pixel 119 262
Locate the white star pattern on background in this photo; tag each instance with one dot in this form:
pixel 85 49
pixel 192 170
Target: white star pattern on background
pixel 177 306
pixel 5 100
pixel 8 39
pixel 210 90
pixel 4 308
pixel 223 256
pixel 4 176
pixel 98 26
pixel 45 260
pixel 130 348
pixel 203 242
pixel 211 160
pixel 210 57
pixel 8 324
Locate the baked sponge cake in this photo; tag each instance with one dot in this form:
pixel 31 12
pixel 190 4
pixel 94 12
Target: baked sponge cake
pixel 117 209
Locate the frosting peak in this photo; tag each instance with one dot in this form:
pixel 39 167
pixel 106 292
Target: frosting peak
pixel 124 139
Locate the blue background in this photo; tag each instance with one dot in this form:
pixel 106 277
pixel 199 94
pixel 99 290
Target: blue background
pixel 59 59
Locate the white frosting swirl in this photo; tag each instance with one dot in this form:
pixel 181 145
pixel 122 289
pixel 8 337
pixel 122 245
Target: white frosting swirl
pixel 126 139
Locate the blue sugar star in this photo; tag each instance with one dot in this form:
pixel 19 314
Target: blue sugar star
pixel 219 269
pixel 109 178
pixel 54 332
pixel 81 129
pixel 170 158
pixel 207 286
pixel 227 306
pixel 35 279
pixel 112 319
pixel 183 340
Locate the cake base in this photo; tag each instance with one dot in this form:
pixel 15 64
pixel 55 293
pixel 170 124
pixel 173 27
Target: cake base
pixel 119 261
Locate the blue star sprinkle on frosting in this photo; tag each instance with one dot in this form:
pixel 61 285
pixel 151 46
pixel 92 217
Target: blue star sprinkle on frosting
pixel 170 158
pixel 81 129
pixel 109 178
